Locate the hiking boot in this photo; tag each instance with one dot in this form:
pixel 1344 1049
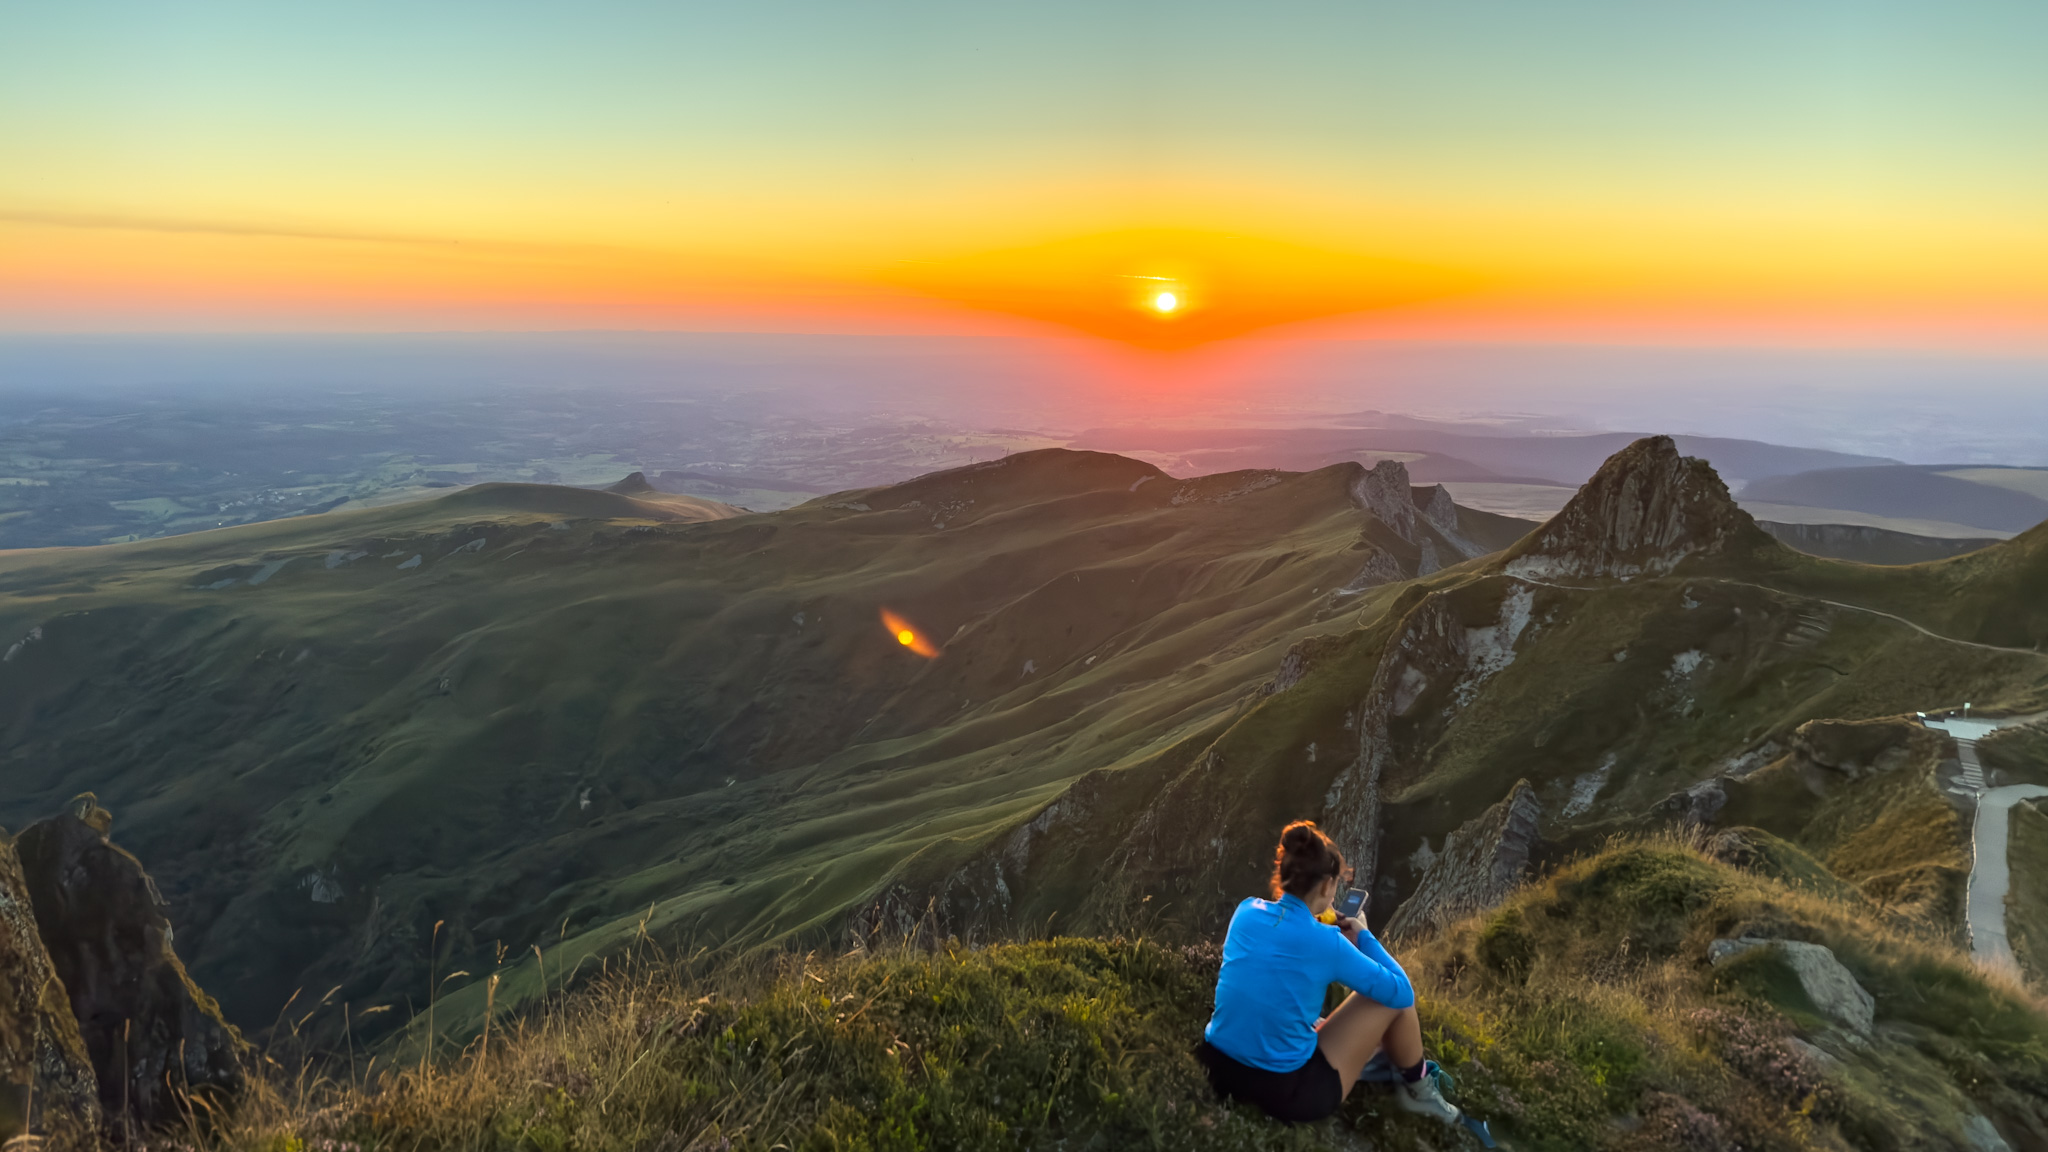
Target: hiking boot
pixel 1424 1098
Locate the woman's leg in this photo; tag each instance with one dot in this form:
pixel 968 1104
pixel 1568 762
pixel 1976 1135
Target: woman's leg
pixel 1359 1027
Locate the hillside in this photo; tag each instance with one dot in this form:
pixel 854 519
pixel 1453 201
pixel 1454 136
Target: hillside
pixel 1906 492
pixel 561 717
pixel 533 712
pixel 1584 1014
pixel 1649 655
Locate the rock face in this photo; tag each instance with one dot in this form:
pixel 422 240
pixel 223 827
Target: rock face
pixel 1832 988
pixel 148 1028
pixel 1434 651
pixel 1644 511
pixel 1439 511
pixel 41 1052
pixel 1383 491
pixel 1480 864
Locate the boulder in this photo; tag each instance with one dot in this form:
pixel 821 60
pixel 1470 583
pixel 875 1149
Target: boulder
pixel 1832 988
pixel 1481 863
pixel 1859 748
pixel 42 1056
pixel 1983 1137
pixel 1697 805
pixel 151 1033
pixel 1646 510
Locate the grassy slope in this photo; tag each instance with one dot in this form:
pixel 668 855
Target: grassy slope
pixel 425 739
pixel 1579 1016
pixel 1599 678
pixel 752 776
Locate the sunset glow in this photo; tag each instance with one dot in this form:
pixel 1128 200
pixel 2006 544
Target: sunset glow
pixel 1605 171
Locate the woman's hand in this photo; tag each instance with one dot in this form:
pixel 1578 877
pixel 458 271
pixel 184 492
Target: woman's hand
pixel 1350 926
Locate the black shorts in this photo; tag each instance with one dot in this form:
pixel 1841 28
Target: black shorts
pixel 1309 1093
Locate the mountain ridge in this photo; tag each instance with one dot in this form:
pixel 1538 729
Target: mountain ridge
pixel 568 731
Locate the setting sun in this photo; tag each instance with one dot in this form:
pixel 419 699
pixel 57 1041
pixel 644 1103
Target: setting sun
pixel 1165 302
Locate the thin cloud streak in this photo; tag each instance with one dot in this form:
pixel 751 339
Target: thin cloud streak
pixel 118 223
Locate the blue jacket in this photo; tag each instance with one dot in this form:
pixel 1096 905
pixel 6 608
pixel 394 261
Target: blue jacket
pixel 1278 962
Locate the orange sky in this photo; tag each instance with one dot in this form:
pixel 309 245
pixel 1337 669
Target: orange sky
pixel 1599 173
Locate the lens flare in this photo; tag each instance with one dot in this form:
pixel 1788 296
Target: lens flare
pixel 908 635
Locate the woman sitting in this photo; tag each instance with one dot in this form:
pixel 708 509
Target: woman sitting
pixel 1266 1044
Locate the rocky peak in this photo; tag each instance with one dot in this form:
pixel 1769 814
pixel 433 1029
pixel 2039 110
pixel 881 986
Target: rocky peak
pixel 633 485
pixel 1644 511
pixel 1383 490
pixel 1438 508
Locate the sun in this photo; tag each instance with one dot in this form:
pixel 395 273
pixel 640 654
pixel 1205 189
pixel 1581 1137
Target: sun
pixel 1165 302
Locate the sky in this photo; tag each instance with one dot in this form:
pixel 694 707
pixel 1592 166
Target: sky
pixel 1148 175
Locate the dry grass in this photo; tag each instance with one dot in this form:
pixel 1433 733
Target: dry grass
pixel 1579 1015
pixel 1586 1014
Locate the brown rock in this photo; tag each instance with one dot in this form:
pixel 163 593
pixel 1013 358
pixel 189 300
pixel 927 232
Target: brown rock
pixel 1481 863
pixel 152 1034
pixel 1859 748
pixel 1644 511
pixel 42 1056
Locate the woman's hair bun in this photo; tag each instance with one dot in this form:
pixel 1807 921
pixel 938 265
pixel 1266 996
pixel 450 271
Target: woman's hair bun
pixel 1305 859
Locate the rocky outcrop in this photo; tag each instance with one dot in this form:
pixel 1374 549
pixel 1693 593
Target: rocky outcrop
pixel 1383 490
pixel 1646 510
pixel 42 1057
pixel 151 1033
pixel 1380 567
pixel 1481 863
pixel 1832 988
pixel 1698 805
pixel 1859 748
pixel 1436 508
pixel 1433 651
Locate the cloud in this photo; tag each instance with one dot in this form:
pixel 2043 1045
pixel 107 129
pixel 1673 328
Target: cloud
pixel 121 223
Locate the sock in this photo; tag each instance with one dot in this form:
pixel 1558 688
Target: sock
pixel 1414 1075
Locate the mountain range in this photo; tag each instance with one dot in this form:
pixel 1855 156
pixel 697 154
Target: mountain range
pixel 360 748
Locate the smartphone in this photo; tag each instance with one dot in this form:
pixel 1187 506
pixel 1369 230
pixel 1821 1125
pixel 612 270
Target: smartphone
pixel 1352 903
